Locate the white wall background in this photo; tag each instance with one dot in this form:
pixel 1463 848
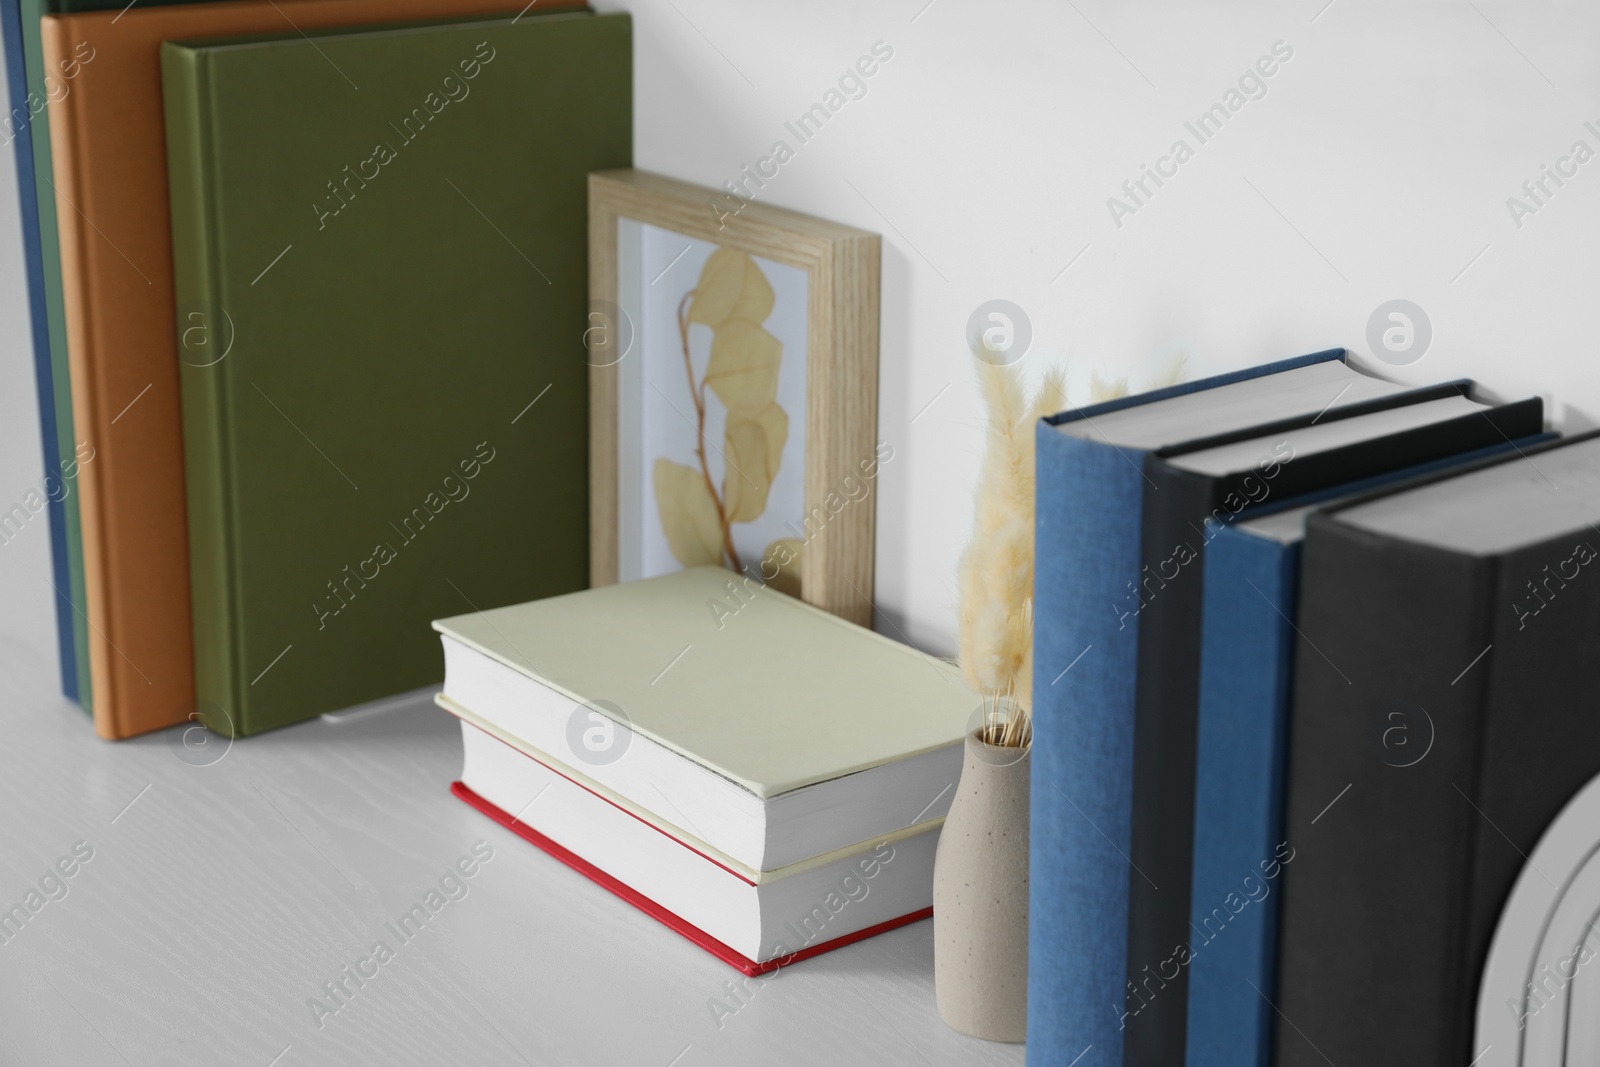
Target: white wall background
pixel 1376 167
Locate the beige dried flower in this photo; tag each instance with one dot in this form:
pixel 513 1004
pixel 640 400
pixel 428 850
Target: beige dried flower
pixel 995 576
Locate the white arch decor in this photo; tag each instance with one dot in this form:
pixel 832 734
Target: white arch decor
pixel 1539 1003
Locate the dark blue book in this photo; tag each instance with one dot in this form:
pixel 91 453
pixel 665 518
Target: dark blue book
pixel 1252 576
pixel 17 129
pixel 1124 490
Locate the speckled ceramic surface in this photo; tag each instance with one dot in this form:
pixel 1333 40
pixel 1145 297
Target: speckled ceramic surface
pixel 980 897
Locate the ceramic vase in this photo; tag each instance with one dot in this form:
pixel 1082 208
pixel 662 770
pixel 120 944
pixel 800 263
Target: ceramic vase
pixel 980 896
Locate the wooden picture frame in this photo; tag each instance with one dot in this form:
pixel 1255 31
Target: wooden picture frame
pixel 841 266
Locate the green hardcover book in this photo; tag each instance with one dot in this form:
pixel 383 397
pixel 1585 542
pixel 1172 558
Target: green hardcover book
pixel 382 236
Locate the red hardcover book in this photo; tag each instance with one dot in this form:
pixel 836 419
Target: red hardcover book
pixel 755 921
pixel 662 915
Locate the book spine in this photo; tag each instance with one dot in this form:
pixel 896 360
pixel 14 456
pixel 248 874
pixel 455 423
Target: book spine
pixel 1240 751
pixel 17 129
pixel 1086 627
pixel 1385 731
pixel 1171 581
pixel 204 332
pixel 68 443
pixel 92 414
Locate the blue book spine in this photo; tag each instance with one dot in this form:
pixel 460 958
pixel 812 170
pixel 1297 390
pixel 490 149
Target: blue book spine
pixel 1245 671
pixel 1085 647
pixel 1086 569
pixel 18 130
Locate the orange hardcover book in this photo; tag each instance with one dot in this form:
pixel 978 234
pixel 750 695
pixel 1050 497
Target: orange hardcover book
pixel 110 157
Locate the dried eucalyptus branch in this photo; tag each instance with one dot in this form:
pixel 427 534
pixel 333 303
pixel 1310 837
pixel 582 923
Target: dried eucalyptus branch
pixel 697 390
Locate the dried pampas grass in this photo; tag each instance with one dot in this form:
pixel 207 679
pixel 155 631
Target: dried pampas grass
pixel 1101 389
pixel 1171 374
pixel 995 576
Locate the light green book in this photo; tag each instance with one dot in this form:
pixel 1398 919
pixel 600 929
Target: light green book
pixel 765 727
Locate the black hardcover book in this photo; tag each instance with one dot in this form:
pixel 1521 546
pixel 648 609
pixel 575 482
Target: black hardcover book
pixel 1444 712
pixel 1219 478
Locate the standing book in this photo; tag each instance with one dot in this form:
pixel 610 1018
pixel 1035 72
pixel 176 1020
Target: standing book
pixel 1110 778
pixel 117 307
pixel 25 109
pixel 392 428
pixel 1443 715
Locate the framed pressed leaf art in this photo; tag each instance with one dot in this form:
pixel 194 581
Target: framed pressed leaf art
pixel 733 391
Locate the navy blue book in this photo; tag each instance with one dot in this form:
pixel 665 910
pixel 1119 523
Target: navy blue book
pixel 1124 489
pixel 17 129
pixel 1252 578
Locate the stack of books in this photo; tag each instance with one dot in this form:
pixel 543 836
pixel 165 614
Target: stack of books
pixel 769 782
pixel 298 268
pixel 1331 680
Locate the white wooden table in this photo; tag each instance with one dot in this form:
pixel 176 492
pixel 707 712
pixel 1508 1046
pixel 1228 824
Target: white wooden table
pixel 223 893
